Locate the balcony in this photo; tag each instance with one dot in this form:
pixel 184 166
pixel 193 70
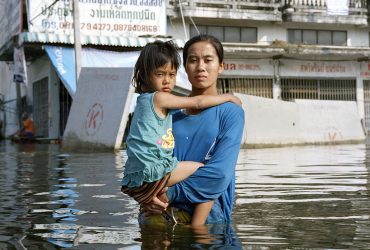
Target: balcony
pixel 298 11
pixel 266 10
pixel 317 11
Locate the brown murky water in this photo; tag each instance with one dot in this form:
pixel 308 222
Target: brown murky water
pixel 314 197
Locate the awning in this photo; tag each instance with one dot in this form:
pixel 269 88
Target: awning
pixel 63 60
pixel 35 37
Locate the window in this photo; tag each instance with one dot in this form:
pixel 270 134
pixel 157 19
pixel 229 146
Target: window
pixel 227 34
pixel 232 34
pixel 340 38
pixel 217 32
pixel 309 37
pixel 322 37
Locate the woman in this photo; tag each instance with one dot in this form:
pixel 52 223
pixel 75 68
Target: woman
pixel 211 136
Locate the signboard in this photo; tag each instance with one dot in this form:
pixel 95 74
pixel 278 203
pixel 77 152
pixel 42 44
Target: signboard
pixel 318 68
pixel 19 74
pixel 10 20
pixel 236 67
pixel 129 18
pixel 365 69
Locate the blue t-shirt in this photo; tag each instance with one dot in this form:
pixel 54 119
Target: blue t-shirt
pixel 212 137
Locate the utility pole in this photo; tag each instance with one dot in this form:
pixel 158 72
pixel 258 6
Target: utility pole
pixel 77 39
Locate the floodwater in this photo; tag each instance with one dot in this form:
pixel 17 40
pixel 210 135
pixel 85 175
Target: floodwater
pixel 308 197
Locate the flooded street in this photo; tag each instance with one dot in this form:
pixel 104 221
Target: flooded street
pixel 312 197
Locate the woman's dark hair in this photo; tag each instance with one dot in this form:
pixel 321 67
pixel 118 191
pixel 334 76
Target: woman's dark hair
pixel 204 38
pixel 153 56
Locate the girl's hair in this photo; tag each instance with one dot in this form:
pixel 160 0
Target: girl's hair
pixel 153 56
pixel 204 38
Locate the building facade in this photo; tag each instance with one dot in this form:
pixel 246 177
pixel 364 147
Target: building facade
pixel 292 49
pixel 278 49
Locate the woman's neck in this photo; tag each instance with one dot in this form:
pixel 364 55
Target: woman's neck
pixel 210 91
pixel 196 92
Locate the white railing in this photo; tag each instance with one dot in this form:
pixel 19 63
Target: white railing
pixel 228 4
pixel 362 4
pixel 247 4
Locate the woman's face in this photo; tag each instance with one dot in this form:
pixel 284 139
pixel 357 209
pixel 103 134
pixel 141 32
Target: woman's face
pixel 203 67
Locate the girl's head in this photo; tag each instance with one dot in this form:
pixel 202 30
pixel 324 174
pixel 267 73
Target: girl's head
pixel 203 61
pixel 158 60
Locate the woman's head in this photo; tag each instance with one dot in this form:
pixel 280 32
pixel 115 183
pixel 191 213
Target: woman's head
pixel 203 61
pixel 204 38
pixel 154 56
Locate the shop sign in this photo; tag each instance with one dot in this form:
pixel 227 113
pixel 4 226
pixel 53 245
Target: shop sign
pixel 129 18
pixel 247 67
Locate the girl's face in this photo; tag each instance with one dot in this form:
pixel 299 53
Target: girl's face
pixel 163 79
pixel 203 67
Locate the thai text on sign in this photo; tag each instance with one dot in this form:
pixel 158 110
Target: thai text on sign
pixel 130 18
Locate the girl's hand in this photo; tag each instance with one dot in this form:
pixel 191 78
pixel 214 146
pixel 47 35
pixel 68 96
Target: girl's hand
pixel 235 100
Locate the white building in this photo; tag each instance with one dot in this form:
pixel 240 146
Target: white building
pixel 278 49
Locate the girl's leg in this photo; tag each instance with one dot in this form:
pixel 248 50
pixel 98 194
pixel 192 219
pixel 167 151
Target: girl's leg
pixel 183 170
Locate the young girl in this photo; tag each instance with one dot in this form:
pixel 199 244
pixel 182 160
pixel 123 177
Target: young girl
pixel 150 165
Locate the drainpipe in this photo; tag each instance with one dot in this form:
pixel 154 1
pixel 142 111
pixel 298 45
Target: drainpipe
pixel 77 39
pixel 276 87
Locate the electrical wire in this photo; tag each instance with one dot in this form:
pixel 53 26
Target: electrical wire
pixel 195 26
pixel 51 5
pixel 183 21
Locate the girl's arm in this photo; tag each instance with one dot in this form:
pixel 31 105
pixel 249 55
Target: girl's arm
pixel 164 100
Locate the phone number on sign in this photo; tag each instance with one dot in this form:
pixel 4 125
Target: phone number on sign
pixel 111 27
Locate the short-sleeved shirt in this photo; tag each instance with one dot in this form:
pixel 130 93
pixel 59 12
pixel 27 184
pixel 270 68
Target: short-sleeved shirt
pixel 150 145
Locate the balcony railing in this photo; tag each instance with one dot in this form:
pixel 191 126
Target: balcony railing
pixel 356 7
pixel 323 3
pixel 272 5
pixel 318 11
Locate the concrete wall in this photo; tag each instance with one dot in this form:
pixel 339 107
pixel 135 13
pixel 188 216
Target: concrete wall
pixel 100 109
pixel 271 122
pixel 8 113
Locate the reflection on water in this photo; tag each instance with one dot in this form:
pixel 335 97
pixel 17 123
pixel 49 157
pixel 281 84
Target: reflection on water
pixel 306 197
pixel 294 197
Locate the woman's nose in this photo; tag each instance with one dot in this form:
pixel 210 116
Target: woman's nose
pixel 201 66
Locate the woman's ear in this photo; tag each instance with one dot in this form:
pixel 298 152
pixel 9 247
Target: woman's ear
pixel 221 68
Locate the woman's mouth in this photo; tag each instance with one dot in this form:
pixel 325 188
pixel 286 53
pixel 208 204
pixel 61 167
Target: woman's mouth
pixel 200 77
